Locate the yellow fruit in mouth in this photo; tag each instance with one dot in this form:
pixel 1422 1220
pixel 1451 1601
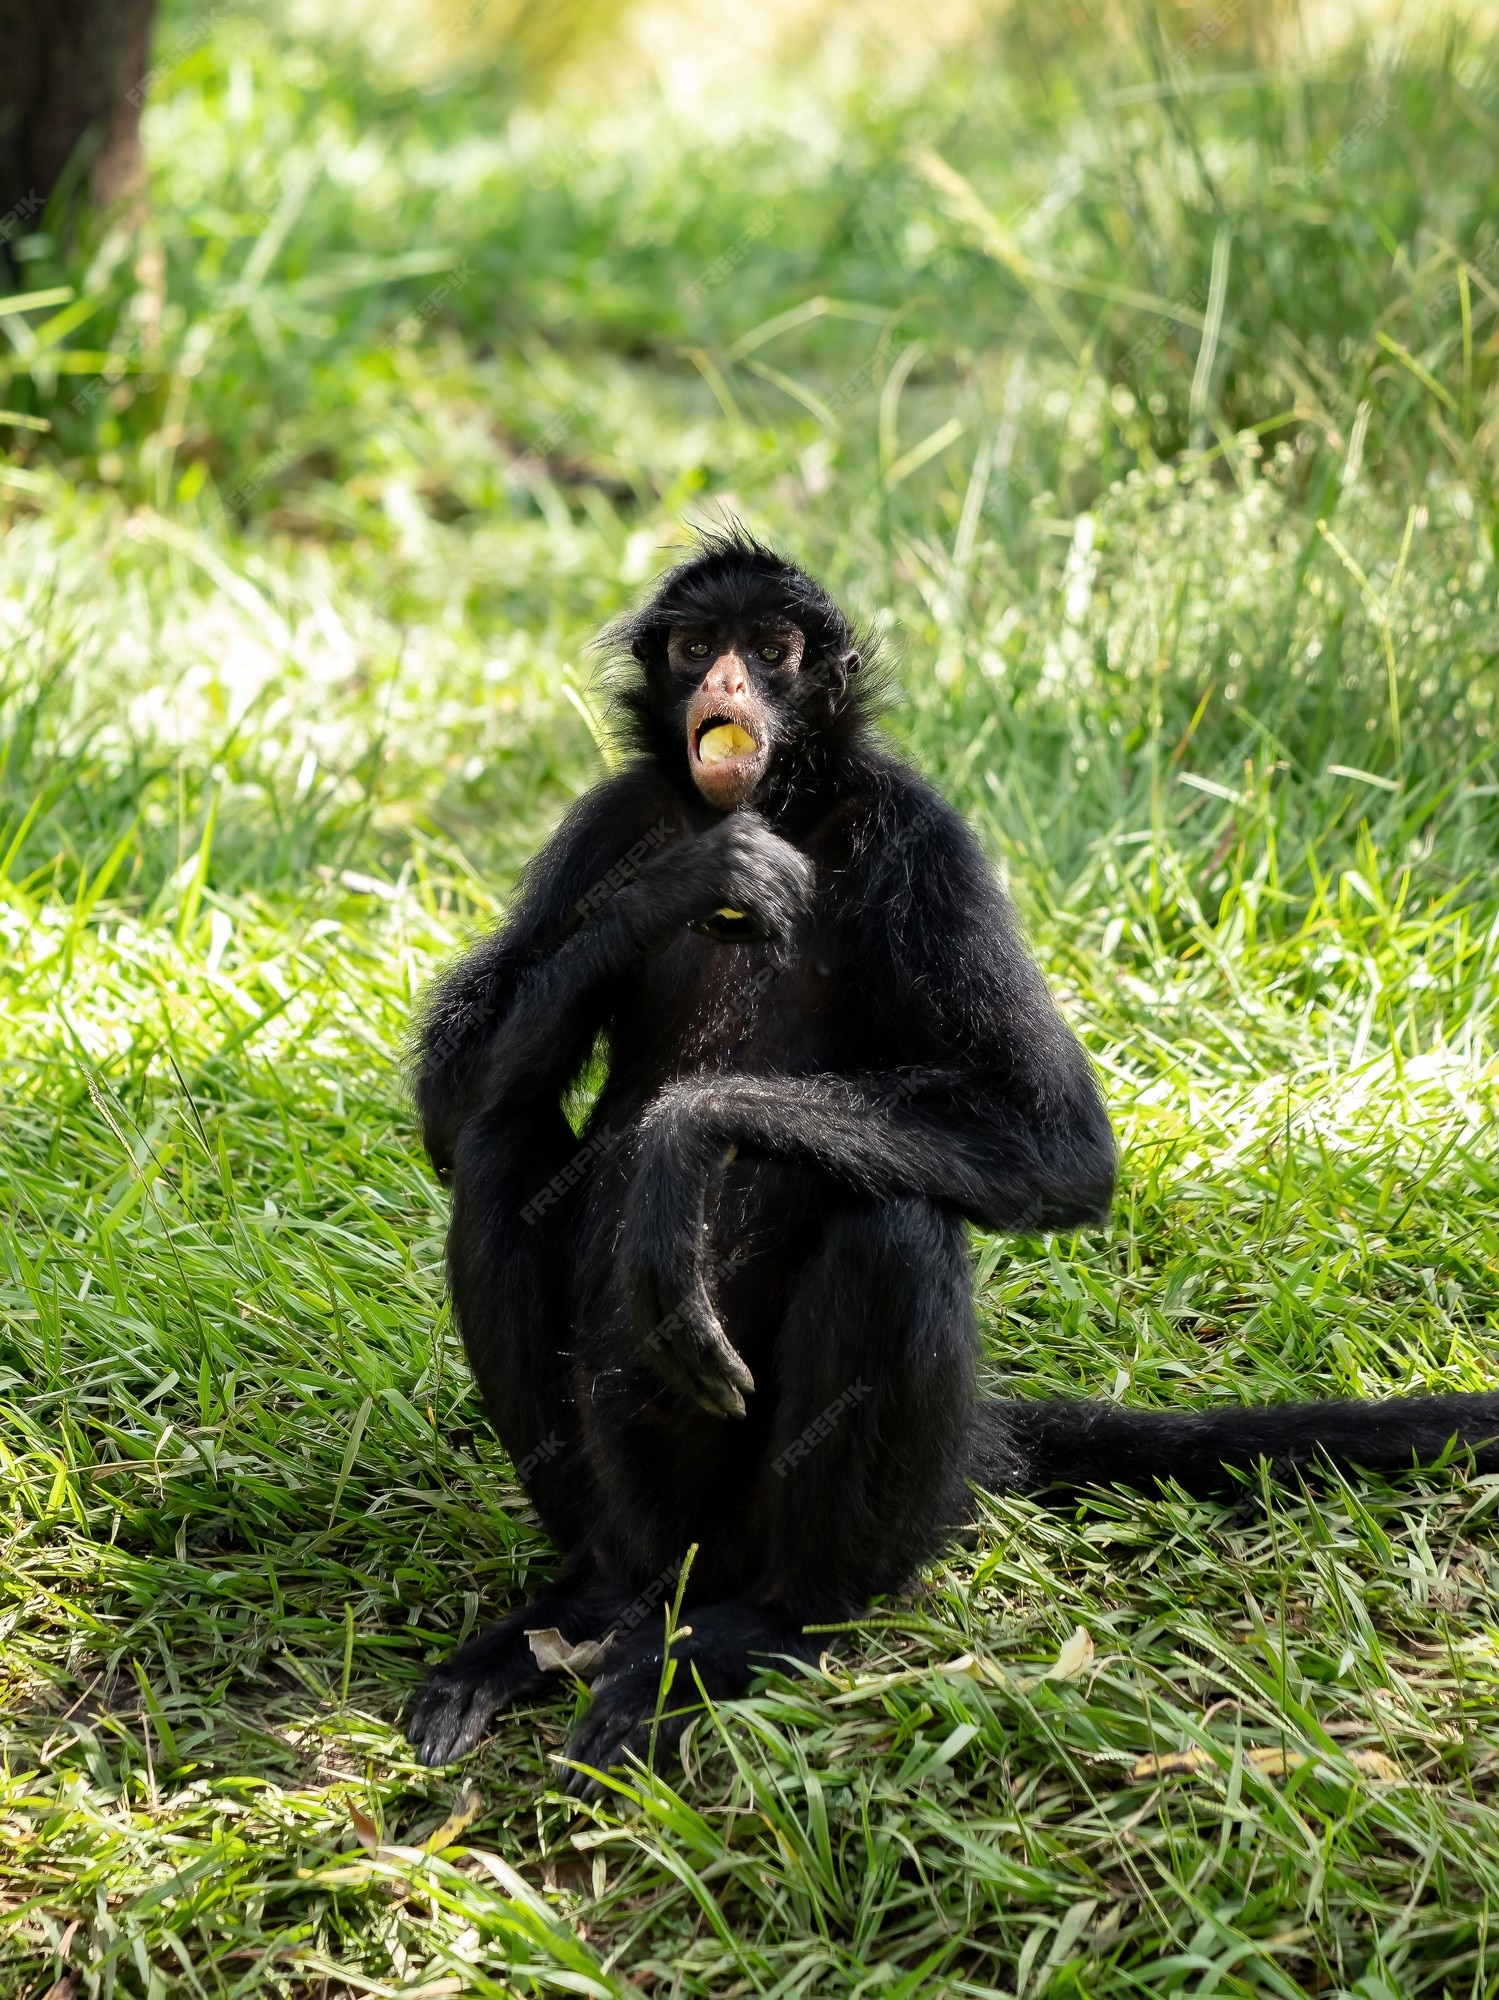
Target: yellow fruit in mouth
pixel 723 741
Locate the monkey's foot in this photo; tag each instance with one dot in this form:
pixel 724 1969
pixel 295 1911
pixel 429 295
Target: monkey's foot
pixel 460 1698
pixel 717 1656
pixel 620 1725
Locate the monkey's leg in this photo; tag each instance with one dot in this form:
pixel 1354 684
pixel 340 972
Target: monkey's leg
pixel 507 1250
pixel 860 1479
pixel 865 1472
pixel 517 1207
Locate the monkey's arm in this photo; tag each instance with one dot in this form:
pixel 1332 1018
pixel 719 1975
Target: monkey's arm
pixel 916 1132
pixel 989 1104
pixel 911 1132
pixel 602 846
pixel 513 1023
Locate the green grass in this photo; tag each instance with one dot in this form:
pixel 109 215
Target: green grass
pixel 397 393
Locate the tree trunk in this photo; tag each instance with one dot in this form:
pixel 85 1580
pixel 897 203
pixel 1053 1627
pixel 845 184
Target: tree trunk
pixel 72 82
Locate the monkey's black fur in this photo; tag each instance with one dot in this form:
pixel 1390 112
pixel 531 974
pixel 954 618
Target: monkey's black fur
pixel 773 1185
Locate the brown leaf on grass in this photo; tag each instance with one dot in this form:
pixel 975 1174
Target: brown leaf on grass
pixel 556 1655
pixel 365 1830
pixel 463 1814
pixel 1276 1763
pixel 62 1989
pixel 1376 1765
pixel 1269 1758
pixel 1182 1764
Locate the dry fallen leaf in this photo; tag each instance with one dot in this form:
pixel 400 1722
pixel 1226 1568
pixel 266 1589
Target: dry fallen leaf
pixel 1269 1758
pixel 1182 1764
pixel 1274 1761
pixel 365 1830
pixel 974 1667
pixel 1376 1765
pixel 468 1808
pixel 1075 1657
pixel 556 1655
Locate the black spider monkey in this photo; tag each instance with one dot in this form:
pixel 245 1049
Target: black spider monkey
pixel 738 1313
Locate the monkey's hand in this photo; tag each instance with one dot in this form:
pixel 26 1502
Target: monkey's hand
pixel 741 865
pixel 685 1341
pixel 661 1264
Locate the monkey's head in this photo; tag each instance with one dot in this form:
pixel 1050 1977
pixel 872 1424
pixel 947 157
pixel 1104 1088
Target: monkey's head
pixel 745 666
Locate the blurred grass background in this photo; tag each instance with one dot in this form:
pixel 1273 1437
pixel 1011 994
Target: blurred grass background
pixel 1132 367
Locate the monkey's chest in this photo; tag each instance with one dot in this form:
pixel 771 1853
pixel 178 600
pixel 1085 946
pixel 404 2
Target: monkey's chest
pixel 707 1006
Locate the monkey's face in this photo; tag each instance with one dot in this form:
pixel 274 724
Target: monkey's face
pixel 739 683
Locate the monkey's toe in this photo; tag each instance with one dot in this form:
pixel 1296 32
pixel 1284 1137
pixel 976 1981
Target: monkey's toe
pixel 459 1699
pixel 451 1715
pixel 621 1725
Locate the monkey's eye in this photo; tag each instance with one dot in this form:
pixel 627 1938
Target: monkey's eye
pixel 770 654
pixel 696 649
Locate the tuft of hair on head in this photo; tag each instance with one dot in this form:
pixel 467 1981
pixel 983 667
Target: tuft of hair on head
pixel 729 574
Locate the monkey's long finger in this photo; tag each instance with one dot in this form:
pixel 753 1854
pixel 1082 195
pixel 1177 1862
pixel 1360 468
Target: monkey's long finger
pixel 724 1376
pixel 721 1399
pixel 735 1368
pixel 711 1392
pixel 704 1375
pixel 677 1370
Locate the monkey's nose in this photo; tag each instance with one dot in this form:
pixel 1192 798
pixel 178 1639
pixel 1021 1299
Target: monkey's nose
pixel 728 676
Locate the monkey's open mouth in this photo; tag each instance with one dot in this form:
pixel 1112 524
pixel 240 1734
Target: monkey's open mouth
pixel 728 749
pixel 720 741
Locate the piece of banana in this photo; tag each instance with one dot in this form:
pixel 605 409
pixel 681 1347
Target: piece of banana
pixel 723 741
pixel 728 926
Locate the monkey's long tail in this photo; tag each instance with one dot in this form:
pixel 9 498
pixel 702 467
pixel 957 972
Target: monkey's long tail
pixel 1032 1447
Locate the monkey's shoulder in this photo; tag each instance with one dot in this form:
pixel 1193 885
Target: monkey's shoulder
pixel 612 829
pixel 630 800
pixel 891 822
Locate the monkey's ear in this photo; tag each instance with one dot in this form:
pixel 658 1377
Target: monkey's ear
pixel 649 641
pixel 844 667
